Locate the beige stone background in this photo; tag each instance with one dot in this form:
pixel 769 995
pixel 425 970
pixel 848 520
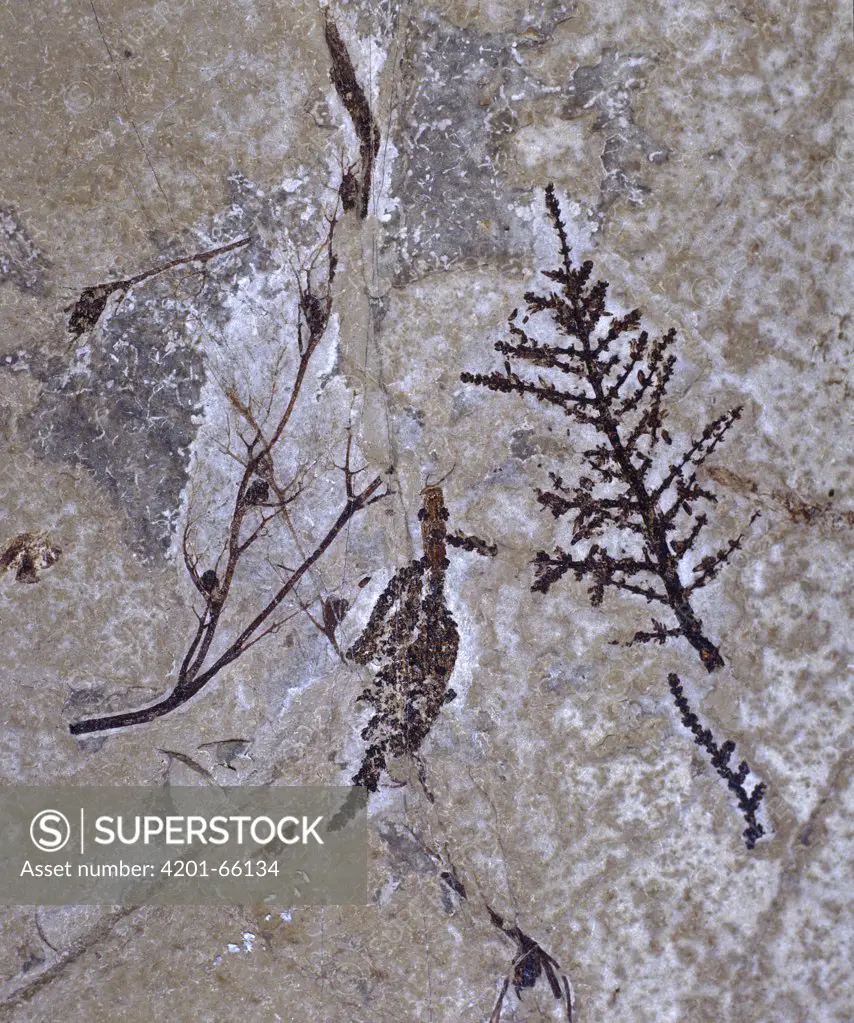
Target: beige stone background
pixel 704 156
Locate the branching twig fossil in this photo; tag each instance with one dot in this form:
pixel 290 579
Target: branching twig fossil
pixel 530 962
pixel 638 511
pixel 618 391
pixel 89 307
pixel 412 638
pixel 262 498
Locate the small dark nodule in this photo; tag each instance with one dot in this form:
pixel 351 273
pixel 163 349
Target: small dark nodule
pixel 258 492
pixel 349 190
pixel 209 581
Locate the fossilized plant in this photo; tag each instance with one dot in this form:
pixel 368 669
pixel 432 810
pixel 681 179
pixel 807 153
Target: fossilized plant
pixel 638 509
pixel 529 964
pixel 748 802
pixel 263 499
pixel 265 493
pixel 28 554
pixel 411 639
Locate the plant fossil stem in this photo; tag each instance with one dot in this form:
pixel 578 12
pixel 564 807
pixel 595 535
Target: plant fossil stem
pixel 190 684
pixel 253 499
pixel 655 534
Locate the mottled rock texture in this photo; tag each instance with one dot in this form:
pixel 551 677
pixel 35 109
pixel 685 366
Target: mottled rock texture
pixel 703 159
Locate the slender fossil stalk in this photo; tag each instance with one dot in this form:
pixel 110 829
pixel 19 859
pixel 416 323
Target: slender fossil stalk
pixel 261 499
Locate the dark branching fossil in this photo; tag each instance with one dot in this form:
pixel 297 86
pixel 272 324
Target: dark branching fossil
pixel 529 964
pixel 639 507
pixel 616 387
pixel 262 499
pixel 720 757
pixel 412 639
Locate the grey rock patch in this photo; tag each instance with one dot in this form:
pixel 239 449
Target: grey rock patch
pixel 524 444
pixel 628 150
pixel 536 23
pixel 406 855
pixel 123 405
pixel 21 261
pixel 575 679
pixel 463 91
pixel 225 751
pixel 373 17
pixel 124 410
pixel 86 700
pixel 457 208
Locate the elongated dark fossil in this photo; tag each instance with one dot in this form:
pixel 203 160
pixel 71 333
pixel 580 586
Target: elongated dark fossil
pixel 90 305
pixel 353 190
pixel 748 802
pixel 412 640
